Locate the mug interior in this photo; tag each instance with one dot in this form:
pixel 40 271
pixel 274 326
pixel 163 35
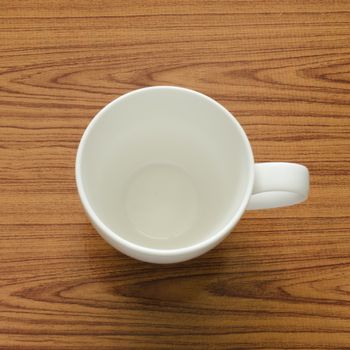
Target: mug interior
pixel 165 167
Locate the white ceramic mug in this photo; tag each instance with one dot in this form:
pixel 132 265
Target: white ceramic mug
pixel 164 174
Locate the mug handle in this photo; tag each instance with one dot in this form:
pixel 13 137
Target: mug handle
pixel 278 185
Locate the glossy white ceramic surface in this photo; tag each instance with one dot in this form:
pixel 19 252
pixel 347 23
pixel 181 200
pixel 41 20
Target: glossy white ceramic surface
pixel 164 173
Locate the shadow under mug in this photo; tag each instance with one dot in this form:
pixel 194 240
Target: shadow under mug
pixel 164 173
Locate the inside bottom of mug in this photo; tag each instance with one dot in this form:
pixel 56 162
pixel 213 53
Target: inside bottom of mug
pixel 162 202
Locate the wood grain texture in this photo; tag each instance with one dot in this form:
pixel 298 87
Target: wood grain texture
pixel 282 278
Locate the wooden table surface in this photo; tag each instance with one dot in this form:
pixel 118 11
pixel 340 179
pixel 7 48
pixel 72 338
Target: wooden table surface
pixel 281 280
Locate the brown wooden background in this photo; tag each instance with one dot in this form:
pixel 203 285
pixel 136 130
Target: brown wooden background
pixel 280 281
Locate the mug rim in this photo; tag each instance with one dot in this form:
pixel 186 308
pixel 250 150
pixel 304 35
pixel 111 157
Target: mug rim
pixel 215 237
